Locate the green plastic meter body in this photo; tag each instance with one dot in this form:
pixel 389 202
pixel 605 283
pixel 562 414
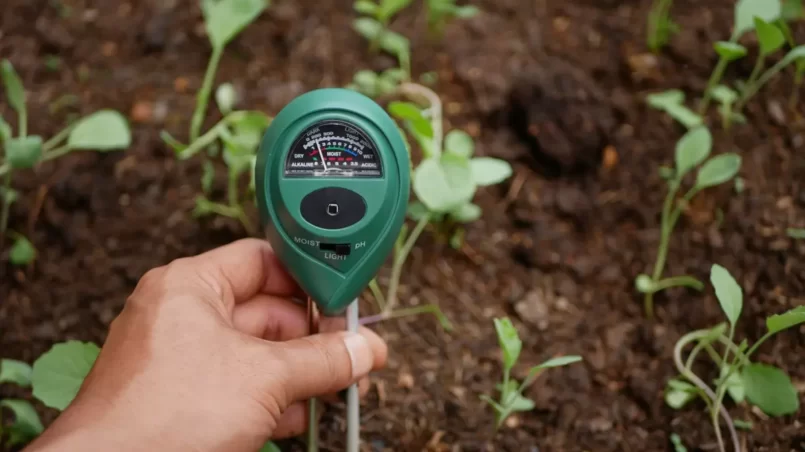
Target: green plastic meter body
pixel 332 181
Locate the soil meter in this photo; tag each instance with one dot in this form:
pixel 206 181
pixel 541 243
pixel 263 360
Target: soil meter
pixel 332 180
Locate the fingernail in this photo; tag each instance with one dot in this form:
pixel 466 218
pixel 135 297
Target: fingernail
pixel 360 353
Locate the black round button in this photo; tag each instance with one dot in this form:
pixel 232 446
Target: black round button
pixel 333 208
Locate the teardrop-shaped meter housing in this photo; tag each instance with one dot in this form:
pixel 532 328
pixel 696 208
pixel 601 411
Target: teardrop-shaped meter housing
pixel 332 180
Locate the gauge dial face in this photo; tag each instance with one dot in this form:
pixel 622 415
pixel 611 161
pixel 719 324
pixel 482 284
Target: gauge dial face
pixel 333 149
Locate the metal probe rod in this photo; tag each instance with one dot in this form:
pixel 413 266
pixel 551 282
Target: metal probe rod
pixel 353 396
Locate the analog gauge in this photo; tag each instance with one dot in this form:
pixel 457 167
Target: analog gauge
pixel 333 149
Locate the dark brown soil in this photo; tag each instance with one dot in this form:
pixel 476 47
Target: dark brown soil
pixel 556 88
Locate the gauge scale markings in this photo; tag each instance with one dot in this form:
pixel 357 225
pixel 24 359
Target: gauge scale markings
pixel 333 149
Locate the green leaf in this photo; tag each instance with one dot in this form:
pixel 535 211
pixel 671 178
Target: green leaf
pixel 555 362
pixel 728 292
pixel 104 130
pixel 225 19
pixel 730 51
pixel 676 440
pixel 459 143
pixel 466 12
pixel 15 92
pixel 391 7
pixel 270 447
pixel 770 389
pixel 365 7
pixel 417 210
pixel 226 97
pixel 509 340
pixel 679 393
pixel 724 94
pixel 672 103
pixel 489 171
pixel 27 424
pixel 10 196
pixel 747 10
pixel 520 403
pixel 692 150
pixel 735 386
pixel 5 130
pixel 16 372
pixel 718 170
pixel 769 36
pixel 59 373
pixel 461 179
pixel 466 213
pixel 742 425
pixel 795 233
pixel 24 152
pixel 407 111
pixel 390 41
pixel 792 10
pixel 780 322
pixel 22 252
pixel 432 187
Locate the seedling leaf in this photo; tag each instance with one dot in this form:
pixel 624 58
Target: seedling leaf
pixel 459 143
pixel 16 372
pixel 226 97
pixel 556 362
pixel 780 322
pixel 509 340
pixel 27 424
pixel 365 7
pixel 692 150
pixel 796 233
pixel 747 10
pixel 770 389
pixel 104 130
pixel 390 41
pixel 644 284
pixel 489 171
pixel 769 36
pixel 411 113
pixel 24 152
pixel 22 252
pixel 735 386
pixel 718 170
pixel 679 446
pixel 59 373
pixel 792 10
pixel 392 7
pixel 728 292
pixel 672 103
pixel 431 186
pixel 461 177
pixel 730 51
pixel 679 393
pixel 467 11
pixel 466 213
pixel 15 92
pixel 742 425
pixel 724 94
pixel 225 19
pixel 5 130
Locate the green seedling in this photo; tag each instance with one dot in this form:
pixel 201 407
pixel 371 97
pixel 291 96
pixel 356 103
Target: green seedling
pixel 374 85
pixel 762 385
pixel 660 25
pixel 672 102
pixel 441 12
pixel 676 441
pixel 103 131
pixel 26 425
pixel 237 137
pixel 511 391
pixel 446 179
pixel 692 152
pixel 726 98
pixel 381 11
pixel 794 56
pixel 387 40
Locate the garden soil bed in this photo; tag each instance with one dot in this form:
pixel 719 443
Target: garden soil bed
pixel 556 88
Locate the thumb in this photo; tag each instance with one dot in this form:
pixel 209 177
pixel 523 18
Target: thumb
pixel 324 363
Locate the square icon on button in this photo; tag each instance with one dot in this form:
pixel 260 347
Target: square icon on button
pixel 332 209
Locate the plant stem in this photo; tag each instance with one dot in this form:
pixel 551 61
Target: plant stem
pixel 377 293
pixel 715 78
pixel 203 97
pixel 435 110
pixel 662 253
pixel 6 208
pixel 5 168
pixel 399 261
pixel 755 87
pixel 659 11
pixel 427 309
pixel 679 281
pixel 58 138
pixel 696 381
pixel 56 153
pixel 759 65
pixel 313 431
pixel 794 100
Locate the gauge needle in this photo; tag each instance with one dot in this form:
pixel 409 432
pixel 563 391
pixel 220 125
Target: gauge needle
pixel 321 154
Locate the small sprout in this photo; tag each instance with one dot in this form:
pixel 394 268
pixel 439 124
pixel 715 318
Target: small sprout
pixel 796 233
pixel 747 10
pixel 676 441
pixel 692 151
pixel 727 97
pixel 58 373
pixel 53 63
pixel 106 130
pixel 727 52
pixel 22 252
pixel 388 40
pixel 226 97
pixel 660 25
pixel 441 12
pixel 27 424
pixel 764 386
pixel 673 103
pixel 23 152
pixel 15 372
pixel 511 391
pixel 743 425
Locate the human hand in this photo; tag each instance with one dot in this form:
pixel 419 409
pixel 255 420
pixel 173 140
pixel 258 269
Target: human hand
pixel 210 354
